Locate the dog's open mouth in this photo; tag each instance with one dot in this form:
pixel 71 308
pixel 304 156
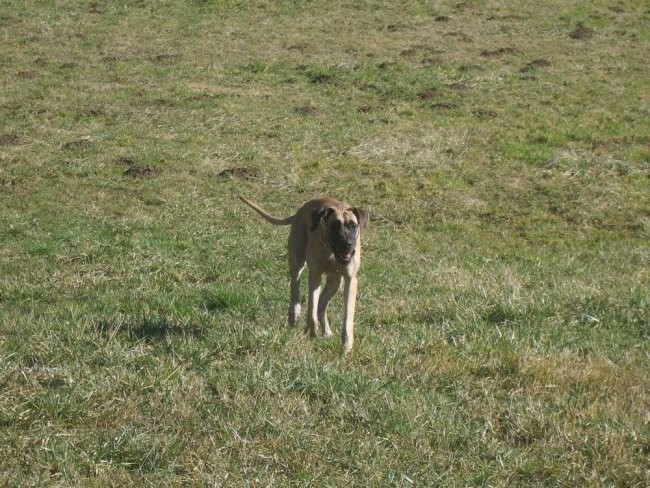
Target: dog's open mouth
pixel 344 257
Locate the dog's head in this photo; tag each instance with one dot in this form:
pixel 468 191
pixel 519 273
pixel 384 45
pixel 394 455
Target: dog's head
pixel 340 227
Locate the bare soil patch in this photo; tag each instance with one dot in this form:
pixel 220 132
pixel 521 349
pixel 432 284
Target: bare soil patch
pixel 135 170
pixel 506 17
pixel 308 110
pixel 9 139
pixel 83 143
pixel 465 68
pixel 443 106
pixel 29 74
pixel 539 63
pixel 582 33
pixel 458 85
pixel 484 113
pixel 430 94
pixel 421 49
pixel 241 173
pixel 536 64
pixel 200 97
pixel 165 58
pixel 461 36
pixel 499 52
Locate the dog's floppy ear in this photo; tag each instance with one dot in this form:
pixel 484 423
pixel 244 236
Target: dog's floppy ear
pixel 319 214
pixel 362 217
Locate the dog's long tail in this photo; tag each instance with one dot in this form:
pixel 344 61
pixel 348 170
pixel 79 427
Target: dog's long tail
pixel 268 217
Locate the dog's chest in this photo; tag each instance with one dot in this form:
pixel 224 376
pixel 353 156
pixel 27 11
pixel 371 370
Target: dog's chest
pixel 329 266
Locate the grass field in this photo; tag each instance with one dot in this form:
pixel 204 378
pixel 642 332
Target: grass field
pixel 502 332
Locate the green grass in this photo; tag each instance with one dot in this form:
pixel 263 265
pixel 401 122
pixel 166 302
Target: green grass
pixel 503 322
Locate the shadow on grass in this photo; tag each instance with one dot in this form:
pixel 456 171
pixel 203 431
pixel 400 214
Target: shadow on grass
pixel 150 329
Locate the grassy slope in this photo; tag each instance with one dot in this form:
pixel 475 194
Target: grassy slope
pixel 503 309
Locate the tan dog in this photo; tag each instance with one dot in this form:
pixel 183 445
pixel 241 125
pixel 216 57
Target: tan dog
pixel 324 235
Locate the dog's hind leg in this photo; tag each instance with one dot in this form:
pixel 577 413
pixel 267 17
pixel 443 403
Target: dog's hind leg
pixel 312 302
pixel 296 266
pixel 294 301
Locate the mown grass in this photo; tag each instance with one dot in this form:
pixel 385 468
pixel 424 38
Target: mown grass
pixel 502 325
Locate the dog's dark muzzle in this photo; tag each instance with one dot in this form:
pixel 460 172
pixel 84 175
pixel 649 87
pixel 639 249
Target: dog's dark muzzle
pixel 343 241
pixel 343 251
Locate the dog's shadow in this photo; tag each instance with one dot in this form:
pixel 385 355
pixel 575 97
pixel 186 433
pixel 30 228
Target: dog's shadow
pixel 148 329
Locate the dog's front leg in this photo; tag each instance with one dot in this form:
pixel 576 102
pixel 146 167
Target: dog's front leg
pixel 332 285
pixel 350 298
pixel 312 302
